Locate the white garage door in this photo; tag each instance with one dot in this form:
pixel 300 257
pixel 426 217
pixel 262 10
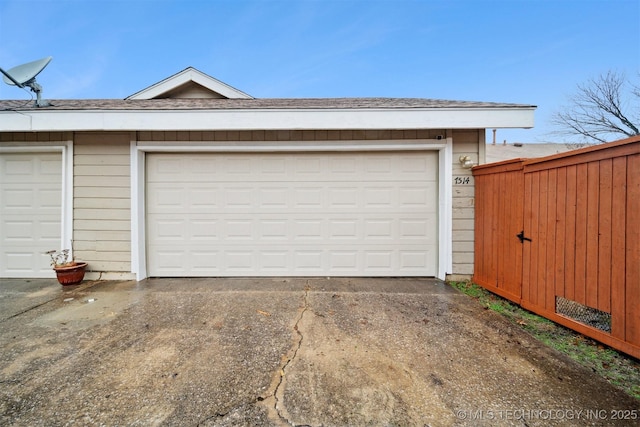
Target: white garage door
pixel 30 206
pixel 341 214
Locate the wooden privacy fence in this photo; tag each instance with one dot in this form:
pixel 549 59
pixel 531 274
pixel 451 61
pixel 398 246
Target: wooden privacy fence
pixel 560 236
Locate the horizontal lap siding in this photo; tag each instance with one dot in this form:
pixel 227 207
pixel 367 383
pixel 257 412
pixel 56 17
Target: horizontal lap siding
pixel 465 143
pixel 102 201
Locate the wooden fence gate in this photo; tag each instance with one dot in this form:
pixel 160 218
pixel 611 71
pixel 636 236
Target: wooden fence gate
pixel 560 236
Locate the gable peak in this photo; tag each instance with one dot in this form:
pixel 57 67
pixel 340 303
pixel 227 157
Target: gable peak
pixel 190 83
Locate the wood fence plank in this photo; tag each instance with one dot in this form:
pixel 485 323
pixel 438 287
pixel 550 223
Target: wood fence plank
pixel 561 225
pixel 570 233
pixel 518 218
pixel 513 227
pixel 591 280
pixel 618 246
pixel 486 230
pixel 534 234
pixel 490 274
pixel 485 181
pixel 501 215
pixel 550 221
pixel 495 209
pixel 581 234
pixel 543 239
pixel 526 247
pixel 479 219
pixel 604 236
pixel 632 291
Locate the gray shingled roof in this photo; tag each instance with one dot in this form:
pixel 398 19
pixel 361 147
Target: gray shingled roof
pixel 256 104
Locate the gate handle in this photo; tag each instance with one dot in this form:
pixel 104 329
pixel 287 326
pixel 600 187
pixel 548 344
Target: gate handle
pixel 522 238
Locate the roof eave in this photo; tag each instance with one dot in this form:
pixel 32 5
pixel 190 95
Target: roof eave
pixel 266 119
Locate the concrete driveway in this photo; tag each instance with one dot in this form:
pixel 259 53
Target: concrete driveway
pixel 318 352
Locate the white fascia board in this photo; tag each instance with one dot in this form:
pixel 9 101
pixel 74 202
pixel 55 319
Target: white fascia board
pixel 299 119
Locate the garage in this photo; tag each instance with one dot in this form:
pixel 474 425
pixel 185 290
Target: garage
pixel 30 212
pixel 292 214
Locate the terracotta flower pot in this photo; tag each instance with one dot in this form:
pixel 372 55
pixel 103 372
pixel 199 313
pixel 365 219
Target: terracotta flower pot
pixel 72 274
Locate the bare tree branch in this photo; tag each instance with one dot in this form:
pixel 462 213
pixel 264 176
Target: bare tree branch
pixel 600 110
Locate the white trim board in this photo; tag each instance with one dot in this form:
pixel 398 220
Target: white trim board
pixel 138 200
pixel 275 119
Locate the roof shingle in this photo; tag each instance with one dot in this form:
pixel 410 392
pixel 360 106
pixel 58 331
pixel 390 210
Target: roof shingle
pixel 254 104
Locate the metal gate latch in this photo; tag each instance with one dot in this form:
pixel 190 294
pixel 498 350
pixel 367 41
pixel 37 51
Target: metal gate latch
pixel 522 238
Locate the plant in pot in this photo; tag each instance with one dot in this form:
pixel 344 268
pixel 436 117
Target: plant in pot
pixel 68 271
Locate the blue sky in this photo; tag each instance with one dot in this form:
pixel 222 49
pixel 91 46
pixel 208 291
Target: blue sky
pixel 519 51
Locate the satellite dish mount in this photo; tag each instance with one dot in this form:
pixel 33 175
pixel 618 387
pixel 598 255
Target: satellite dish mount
pixel 25 75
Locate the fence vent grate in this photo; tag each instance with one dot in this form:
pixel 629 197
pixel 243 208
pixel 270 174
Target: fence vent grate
pixel 581 313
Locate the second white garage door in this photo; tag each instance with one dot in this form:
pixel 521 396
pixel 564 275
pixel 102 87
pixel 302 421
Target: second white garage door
pixel 340 214
pixel 30 206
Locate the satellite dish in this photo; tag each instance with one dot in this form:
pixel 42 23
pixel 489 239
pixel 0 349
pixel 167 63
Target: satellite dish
pixel 25 75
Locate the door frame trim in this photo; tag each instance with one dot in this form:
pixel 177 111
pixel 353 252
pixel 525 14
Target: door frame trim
pixel 138 152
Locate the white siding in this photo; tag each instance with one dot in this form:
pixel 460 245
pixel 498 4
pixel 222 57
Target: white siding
pixel 101 207
pixel 465 143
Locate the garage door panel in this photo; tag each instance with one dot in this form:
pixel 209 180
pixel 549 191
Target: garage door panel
pixel 180 231
pixel 244 260
pixel 48 200
pixel 410 260
pixel 239 197
pixel 292 214
pixel 344 261
pixel 26 264
pixel 269 229
pixel 274 261
pixel 379 197
pixel 18 199
pixel 302 197
pixel 416 229
pixel 205 261
pixel 32 232
pixel 239 230
pixel 14 231
pixel 205 229
pixel 273 197
pixel 168 199
pixel 172 261
pixel 418 167
pixel 344 229
pixel 166 229
pixel 24 199
pixel 273 230
pixel 379 261
pixel 30 212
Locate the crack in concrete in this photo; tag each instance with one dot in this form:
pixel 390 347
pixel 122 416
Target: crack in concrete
pixel 76 289
pixel 29 309
pixel 290 359
pixel 212 417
